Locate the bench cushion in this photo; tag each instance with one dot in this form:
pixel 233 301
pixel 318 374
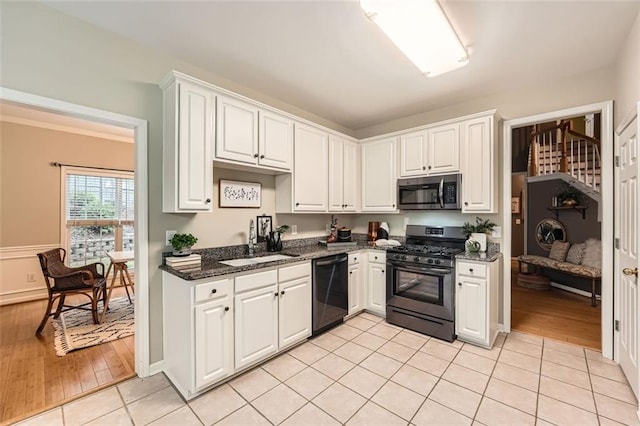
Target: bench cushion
pixel 545 262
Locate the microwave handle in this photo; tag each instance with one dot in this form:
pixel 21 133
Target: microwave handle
pixel 441 193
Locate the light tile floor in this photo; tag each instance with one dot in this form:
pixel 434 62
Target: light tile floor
pixel 367 372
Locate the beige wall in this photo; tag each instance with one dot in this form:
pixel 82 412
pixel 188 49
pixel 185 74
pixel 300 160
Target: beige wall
pixel 49 54
pixel 30 201
pixel 627 78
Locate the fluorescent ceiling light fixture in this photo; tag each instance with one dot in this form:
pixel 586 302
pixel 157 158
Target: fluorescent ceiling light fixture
pixel 421 31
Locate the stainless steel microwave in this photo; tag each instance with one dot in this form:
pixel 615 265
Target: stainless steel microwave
pixel 430 193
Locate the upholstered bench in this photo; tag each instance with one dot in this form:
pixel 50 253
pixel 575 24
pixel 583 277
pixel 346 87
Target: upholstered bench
pixel 580 262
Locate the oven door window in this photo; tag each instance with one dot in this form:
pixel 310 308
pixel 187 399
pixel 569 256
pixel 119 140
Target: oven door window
pixel 419 286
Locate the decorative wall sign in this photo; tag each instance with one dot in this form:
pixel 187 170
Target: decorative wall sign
pixel 240 194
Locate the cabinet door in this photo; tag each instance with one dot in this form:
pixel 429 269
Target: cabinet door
pixel 356 289
pixel 376 300
pixel 413 148
pixel 350 177
pixel 336 174
pixel 311 169
pixel 256 325
pixel 379 175
pixel 275 141
pixel 294 311
pixel 471 303
pixel 213 341
pixel 195 167
pixel 236 131
pixel 443 149
pixel 478 166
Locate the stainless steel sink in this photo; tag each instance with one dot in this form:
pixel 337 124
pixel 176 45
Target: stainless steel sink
pixel 255 260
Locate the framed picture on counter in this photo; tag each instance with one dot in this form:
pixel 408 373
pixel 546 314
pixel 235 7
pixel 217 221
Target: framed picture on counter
pixel 240 194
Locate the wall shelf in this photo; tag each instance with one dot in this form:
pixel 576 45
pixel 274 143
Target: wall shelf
pixel 579 209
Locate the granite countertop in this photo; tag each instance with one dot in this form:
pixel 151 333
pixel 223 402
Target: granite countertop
pixel 489 256
pixel 211 266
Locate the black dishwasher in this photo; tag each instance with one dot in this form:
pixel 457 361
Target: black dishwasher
pixel 330 292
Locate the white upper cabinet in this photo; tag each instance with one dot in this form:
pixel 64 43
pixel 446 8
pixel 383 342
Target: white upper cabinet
pixel 343 174
pixel 275 141
pixel 311 168
pixel 253 136
pixel 443 149
pixel 413 154
pixel 187 147
pixel 431 151
pixel 379 175
pixel 236 130
pixel 478 166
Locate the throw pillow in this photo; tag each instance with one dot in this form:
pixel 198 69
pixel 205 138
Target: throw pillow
pixel 592 253
pixel 575 253
pixel 559 251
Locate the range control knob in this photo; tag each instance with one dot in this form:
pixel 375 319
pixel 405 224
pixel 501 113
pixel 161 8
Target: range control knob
pixel 403 257
pixel 429 260
pixel 437 261
pixel 416 259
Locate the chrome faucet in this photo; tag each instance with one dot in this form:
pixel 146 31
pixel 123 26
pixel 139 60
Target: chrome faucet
pixel 252 236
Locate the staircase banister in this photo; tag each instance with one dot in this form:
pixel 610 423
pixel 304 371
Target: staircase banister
pixel 594 141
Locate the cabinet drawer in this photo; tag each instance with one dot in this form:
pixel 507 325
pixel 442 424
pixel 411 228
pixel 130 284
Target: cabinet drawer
pixel 354 258
pixel 472 269
pixel 377 257
pixel 257 280
pixel 289 273
pixel 212 290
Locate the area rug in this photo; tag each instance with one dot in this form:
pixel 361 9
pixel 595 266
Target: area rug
pixel 75 329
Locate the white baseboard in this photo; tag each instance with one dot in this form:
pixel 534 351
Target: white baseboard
pixel 573 290
pixel 156 367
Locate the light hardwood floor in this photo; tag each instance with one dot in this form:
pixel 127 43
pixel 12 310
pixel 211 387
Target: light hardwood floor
pixel 556 314
pixel 33 377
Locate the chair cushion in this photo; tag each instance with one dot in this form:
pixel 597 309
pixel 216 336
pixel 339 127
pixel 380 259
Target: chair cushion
pixel 559 251
pixel 592 253
pixel 575 253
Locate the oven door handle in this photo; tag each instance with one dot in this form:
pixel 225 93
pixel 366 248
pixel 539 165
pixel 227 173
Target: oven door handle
pixel 434 271
pixel 441 193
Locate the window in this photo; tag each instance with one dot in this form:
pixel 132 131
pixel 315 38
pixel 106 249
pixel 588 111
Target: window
pixel 98 214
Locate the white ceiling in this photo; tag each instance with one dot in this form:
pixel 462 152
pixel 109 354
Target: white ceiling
pixel 326 57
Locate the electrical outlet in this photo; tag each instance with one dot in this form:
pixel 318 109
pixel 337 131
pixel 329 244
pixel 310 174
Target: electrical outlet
pixel 168 236
pixel 294 229
pixel 31 277
pixel 497 232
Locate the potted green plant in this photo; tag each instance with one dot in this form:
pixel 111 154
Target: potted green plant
pixel 477 234
pixel 182 244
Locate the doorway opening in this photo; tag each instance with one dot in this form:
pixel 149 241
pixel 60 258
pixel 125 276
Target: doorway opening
pixel 54 380
pixel 556 229
pixel 532 194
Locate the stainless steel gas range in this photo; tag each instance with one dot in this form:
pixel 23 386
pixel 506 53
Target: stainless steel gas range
pixel 420 280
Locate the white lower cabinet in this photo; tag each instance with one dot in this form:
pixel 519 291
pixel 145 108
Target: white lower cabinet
pixel 294 311
pixel 477 301
pixel 198 332
pixel 215 328
pixel 376 282
pixel 356 283
pixel 214 334
pixel 256 317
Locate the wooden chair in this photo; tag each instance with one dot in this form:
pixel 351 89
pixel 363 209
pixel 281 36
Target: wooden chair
pixel 88 280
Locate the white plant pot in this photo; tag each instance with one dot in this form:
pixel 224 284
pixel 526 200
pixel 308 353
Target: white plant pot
pixel 481 238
